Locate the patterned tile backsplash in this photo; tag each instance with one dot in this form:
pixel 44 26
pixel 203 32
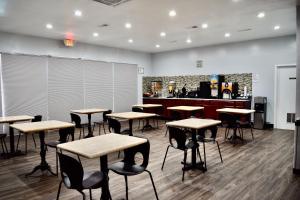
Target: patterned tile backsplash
pixel 193 81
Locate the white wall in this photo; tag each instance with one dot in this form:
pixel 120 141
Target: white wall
pixel 13 43
pixel 258 57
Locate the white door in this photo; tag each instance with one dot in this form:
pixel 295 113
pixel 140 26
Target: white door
pixel 286 97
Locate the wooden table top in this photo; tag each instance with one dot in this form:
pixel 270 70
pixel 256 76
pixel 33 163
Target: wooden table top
pixel 236 111
pixel 194 123
pixel 41 126
pixel 89 111
pixel 186 108
pixel 101 145
pixel 131 115
pixel 18 118
pixel 147 105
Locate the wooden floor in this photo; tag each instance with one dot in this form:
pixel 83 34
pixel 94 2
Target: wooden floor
pixel 254 171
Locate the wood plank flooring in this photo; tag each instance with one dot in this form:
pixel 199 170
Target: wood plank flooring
pixel 259 170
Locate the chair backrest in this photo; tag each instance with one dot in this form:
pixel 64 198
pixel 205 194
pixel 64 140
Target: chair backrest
pixel 65 132
pixel 37 118
pixel 105 118
pixel 227 119
pixel 129 154
pixel 76 119
pixel 179 136
pixel 115 125
pixel 175 115
pixel 136 109
pixel 71 171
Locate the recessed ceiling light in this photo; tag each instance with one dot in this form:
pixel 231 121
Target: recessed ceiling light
pixel 172 13
pixel 78 13
pixel 277 27
pixel 95 34
pixel 227 35
pixel 157 46
pixel 261 15
pixel 163 34
pixel 204 26
pixel 49 26
pixel 130 40
pixel 128 25
pixel 188 41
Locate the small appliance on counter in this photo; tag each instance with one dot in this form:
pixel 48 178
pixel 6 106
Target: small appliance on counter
pixel 260 115
pixel 171 89
pixel 156 88
pixel 216 85
pixel 230 90
pixel 204 91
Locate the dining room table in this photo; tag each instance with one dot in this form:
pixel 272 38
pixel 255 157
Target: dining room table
pixel 196 125
pixel 40 128
pixel 187 111
pixel 11 120
pixel 130 116
pixel 89 113
pixel 236 113
pixel 100 147
pixel 149 108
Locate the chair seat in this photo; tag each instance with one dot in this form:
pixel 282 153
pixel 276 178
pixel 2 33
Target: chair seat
pixel 3 135
pixel 91 180
pixel 129 170
pixel 244 123
pixel 100 122
pixel 53 144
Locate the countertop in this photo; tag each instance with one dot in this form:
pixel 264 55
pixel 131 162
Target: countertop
pixel 197 99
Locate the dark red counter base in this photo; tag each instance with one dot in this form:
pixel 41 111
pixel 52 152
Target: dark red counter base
pixel 210 105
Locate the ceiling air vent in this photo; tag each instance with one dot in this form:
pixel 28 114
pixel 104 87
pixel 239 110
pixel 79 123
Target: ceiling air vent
pixel 112 2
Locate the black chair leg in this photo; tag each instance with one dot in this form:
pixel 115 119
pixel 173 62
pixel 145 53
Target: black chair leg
pixel 219 151
pixel 166 131
pixel 252 133
pixel 56 162
pixel 5 146
pixel 152 184
pixel 25 143
pixel 99 129
pixel 184 164
pixel 34 140
pixel 91 197
pixel 126 185
pixel 79 134
pixel 2 146
pixel 204 155
pixel 104 128
pixel 162 167
pixel 18 142
pixel 58 192
pixel 83 195
pixel 199 154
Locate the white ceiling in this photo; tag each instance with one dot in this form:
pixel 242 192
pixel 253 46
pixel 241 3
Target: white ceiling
pixel 148 19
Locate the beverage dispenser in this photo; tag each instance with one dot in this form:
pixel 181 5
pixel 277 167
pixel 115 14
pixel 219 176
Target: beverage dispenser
pixel 260 115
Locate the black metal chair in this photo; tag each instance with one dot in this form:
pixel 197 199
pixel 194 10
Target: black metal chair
pixel 75 178
pixel 229 122
pixel 138 109
pixel 3 143
pixel 77 120
pixel 128 166
pixel 179 140
pixel 64 135
pixel 36 118
pixel 175 115
pixel 245 125
pixel 103 122
pixel 115 126
pixel 201 137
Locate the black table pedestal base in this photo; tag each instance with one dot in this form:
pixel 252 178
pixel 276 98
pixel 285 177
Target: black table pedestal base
pixel 42 167
pixel 199 166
